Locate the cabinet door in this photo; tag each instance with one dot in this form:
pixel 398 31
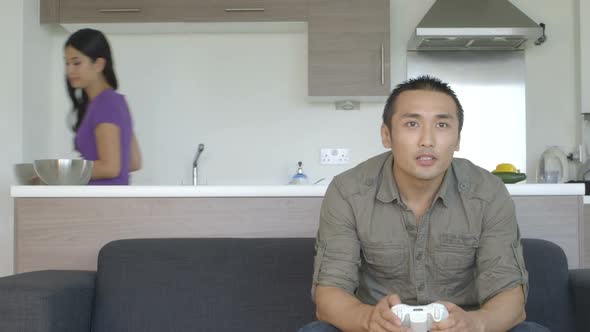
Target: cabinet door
pixel 107 11
pixel 247 10
pixel 349 48
pixel 49 10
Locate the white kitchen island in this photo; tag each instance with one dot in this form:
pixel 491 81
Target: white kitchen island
pixel 63 227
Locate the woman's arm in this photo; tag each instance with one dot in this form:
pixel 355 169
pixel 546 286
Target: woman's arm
pixel 108 164
pixel 135 159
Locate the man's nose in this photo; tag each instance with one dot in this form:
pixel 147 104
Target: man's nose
pixel 427 137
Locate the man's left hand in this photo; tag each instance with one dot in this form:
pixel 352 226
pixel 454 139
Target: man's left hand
pixel 459 320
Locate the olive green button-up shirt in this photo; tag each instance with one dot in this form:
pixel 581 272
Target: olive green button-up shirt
pixel 465 250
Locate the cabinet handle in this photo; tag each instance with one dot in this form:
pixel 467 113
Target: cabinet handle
pixel 120 10
pixel 382 64
pixel 244 10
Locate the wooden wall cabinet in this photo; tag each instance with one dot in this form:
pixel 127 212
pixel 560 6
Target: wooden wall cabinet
pixel 49 10
pixel 247 11
pixel 151 11
pixel 349 48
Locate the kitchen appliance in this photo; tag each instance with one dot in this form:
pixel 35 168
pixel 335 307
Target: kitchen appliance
pixel 553 166
pixel 475 25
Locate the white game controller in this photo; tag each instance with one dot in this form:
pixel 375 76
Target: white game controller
pixel 420 318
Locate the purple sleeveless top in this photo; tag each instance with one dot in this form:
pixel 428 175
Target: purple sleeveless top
pixel 107 107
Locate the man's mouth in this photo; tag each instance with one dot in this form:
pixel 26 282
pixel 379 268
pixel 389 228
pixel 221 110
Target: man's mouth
pixel 426 157
pixel 425 160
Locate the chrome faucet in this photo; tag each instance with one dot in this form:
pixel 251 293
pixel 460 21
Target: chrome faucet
pixel 196 166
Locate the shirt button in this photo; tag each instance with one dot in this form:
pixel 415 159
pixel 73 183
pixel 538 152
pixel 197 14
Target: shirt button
pixel 421 287
pixel 420 256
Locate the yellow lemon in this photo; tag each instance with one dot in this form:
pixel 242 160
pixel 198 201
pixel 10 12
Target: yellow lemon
pixel 506 168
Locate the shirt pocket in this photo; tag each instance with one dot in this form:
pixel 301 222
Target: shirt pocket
pixel 387 261
pixel 455 256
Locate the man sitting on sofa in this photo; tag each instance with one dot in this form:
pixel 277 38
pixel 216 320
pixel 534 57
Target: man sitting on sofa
pixel 415 226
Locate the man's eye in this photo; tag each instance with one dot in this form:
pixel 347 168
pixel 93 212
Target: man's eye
pixel 412 124
pixel 443 125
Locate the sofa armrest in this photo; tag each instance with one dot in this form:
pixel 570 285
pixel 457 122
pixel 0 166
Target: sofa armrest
pixel 47 301
pixel 580 281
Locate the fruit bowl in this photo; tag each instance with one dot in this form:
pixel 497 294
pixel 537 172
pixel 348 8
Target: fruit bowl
pixel 510 177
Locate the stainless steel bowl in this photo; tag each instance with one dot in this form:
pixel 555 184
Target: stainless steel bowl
pixel 25 174
pixel 64 171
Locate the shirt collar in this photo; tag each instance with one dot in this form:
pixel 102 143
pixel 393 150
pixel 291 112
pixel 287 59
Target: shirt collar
pixel 388 191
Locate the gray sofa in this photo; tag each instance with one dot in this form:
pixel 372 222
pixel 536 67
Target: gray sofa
pixel 223 285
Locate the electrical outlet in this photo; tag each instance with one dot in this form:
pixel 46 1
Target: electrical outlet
pixel 334 156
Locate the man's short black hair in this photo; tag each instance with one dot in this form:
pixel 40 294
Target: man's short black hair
pixel 428 83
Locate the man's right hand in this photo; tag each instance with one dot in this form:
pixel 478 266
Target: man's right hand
pixel 382 319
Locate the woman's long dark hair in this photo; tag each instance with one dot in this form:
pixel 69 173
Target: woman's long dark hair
pixel 94 45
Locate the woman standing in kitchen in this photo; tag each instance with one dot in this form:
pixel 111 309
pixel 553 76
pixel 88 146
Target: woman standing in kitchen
pixel 103 126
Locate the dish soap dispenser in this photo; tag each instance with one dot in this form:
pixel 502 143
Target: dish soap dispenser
pixel 299 177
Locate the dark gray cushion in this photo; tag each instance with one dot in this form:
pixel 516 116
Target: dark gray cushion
pixel 47 301
pixel 221 285
pixel 550 301
pixel 580 281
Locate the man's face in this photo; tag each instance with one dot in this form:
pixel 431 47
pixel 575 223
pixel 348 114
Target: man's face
pixel 424 135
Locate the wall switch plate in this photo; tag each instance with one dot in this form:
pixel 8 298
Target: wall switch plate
pixel 334 156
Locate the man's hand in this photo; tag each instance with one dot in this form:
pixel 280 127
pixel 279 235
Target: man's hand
pixel 458 320
pixel 382 319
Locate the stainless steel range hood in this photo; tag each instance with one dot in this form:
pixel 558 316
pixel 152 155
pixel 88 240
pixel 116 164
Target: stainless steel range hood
pixel 474 25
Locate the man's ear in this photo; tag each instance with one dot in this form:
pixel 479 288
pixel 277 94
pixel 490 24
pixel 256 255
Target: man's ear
pixel 385 136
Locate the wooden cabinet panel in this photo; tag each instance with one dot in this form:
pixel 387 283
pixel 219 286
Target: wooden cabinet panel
pixel 111 11
pixel 586 232
pixel 129 11
pixel 558 219
pixel 49 10
pixel 349 48
pixel 247 10
pixel 67 233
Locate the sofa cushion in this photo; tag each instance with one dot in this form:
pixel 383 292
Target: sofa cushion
pixel 550 299
pixel 50 301
pixel 204 284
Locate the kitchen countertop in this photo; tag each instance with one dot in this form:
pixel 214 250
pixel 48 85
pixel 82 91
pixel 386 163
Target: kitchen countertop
pixel 248 191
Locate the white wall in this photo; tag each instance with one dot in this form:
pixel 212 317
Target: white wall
pixel 36 75
pixel 11 86
pixel 552 100
pixel 584 35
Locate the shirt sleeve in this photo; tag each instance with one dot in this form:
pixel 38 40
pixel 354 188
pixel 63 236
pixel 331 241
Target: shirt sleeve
pixel 109 111
pixel 337 258
pixel 500 262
